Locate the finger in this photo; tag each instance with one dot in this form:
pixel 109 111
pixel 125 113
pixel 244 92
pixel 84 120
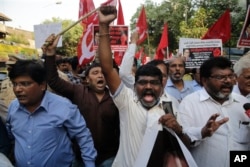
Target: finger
pixel 222 121
pixel 214 116
pixel 209 123
pixel 56 40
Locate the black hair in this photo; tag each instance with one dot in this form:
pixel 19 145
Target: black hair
pixel 214 62
pixel 32 68
pixel 148 70
pixel 135 62
pixel 74 62
pixel 93 65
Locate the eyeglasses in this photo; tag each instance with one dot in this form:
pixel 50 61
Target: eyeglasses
pixel 223 77
pixel 151 82
pixel 23 84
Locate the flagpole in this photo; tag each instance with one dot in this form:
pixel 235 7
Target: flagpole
pixel 167 53
pixel 148 45
pixel 75 23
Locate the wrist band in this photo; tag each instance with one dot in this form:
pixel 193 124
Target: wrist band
pixel 105 34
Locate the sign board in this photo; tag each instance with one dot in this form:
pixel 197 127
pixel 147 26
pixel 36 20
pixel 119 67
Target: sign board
pixel 244 40
pixel 196 51
pixel 118 37
pixel 42 32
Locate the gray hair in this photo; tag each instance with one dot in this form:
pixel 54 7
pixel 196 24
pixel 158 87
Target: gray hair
pixel 242 63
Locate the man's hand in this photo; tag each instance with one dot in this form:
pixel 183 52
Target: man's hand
pixel 212 125
pixel 170 121
pixel 134 36
pixel 50 44
pixel 107 14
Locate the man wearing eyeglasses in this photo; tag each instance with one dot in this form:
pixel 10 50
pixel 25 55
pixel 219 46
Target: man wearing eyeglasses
pixel 42 134
pixel 212 116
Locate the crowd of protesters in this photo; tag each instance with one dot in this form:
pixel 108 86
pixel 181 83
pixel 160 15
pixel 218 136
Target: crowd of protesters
pixel 132 116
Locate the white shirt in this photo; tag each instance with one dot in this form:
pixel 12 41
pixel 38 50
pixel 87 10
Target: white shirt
pixel 4 161
pixel 133 123
pixel 194 112
pixel 237 90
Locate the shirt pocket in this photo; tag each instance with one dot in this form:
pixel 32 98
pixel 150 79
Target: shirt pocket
pixel 242 135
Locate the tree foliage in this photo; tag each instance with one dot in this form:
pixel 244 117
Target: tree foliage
pixel 189 19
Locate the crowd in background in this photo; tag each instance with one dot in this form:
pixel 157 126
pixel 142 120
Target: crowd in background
pixel 56 113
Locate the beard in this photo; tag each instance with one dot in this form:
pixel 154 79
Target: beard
pixel 217 94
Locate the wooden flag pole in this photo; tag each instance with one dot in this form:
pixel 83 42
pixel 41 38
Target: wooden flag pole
pixel 75 23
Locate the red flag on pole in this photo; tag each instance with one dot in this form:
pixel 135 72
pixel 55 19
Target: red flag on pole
pixel 85 50
pixel 85 6
pixel 138 54
pixel 120 17
pixel 161 50
pixel 118 56
pixel 142 26
pixel 110 2
pixel 221 29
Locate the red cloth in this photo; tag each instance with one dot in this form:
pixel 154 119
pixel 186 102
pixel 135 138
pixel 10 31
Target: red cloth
pixel 221 28
pixel 85 50
pixel 142 26
pixel 120 17
pixel 118 56
pixel 161 50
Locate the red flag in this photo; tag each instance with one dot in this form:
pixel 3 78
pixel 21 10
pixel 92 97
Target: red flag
pixel 110 2
pixel 118 56
pixel 161 50
pixel 85 50
pixel 85 6
pixel 221 28
pixel 120 17
pixel 142 26
pixel 139 53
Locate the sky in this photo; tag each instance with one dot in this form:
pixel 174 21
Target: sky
pixel 27 13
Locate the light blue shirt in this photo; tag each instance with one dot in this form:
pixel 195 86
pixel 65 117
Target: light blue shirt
pixel 196 86
pixel 179 95
pixel 43 138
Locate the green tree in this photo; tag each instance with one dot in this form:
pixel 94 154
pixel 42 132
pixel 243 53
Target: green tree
pixel 188 18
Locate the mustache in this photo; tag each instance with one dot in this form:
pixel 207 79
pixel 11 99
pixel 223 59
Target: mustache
pixel 227 86
pixel 148 92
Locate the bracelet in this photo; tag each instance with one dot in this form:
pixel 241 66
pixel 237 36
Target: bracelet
pixel 105 34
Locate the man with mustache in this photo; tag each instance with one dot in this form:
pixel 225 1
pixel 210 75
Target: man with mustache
pixel 214 117
pixel 94 102
pixel 141 110
pixel 176 86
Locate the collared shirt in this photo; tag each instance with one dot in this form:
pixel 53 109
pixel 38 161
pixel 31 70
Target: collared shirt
pixel 237 90
pixel 195 85
pixel 194 112
pixel 133 123
pixel 43 138
pixel 179 95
